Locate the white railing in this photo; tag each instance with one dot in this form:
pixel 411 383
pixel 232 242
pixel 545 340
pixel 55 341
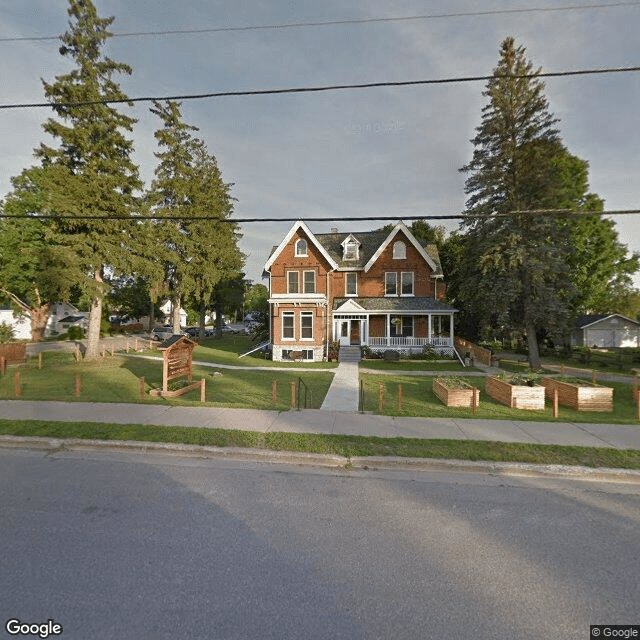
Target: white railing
pixel 400 341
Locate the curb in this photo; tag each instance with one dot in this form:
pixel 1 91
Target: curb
pixel 373 463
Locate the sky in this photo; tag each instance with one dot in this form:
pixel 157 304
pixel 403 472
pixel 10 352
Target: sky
pixel 389 151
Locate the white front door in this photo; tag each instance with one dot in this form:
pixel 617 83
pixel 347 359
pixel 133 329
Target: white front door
pixel 344 332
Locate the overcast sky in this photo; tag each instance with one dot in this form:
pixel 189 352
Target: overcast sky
pixel 349 153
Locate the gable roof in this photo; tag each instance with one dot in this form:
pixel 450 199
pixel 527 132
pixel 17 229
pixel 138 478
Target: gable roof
pixel 583 322
pixel 312 238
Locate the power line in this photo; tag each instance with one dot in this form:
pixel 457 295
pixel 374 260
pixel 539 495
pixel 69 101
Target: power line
pixel 335 87
pixel 458 216
pixel 345 21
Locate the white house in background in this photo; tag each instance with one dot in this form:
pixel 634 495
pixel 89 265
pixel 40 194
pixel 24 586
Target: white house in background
pixel 21 324
pixel 61 316
pixel 612 330
pixel 167 311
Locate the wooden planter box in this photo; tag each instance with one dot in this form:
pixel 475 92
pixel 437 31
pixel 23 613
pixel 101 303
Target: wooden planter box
pixel 456 397
pixel 582 397
pixel 516 396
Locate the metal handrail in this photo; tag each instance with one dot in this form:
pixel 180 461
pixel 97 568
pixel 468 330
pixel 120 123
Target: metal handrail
pixel 301 383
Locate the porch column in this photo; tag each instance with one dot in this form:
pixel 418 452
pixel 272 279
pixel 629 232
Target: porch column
pixel 365 331
pixel 429 321
pixel 451 328
pixel 388 331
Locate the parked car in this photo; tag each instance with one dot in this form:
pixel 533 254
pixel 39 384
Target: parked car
pixel 162 333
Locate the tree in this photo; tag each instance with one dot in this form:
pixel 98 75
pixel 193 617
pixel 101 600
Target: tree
pixel 515 272
pixel 36 269
pixel 96 177
pixel 196 240
pixel 256 298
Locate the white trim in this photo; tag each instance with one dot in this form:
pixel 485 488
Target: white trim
pixel 311 314
pixel 306 248
pixel 293 317
pixel 299 225
pixel 349 306
pixel 304 284
pixel 611 315
pixel 413 285
pixel 289 292
pixel 401 227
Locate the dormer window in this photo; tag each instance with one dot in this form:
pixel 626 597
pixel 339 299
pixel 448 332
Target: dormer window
pixel 399 250
pixel 301 248
pixel 350 248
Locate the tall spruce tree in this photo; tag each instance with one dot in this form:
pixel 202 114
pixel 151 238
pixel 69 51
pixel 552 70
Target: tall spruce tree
pixel 515 273
pixel 97 177
pixel 198 254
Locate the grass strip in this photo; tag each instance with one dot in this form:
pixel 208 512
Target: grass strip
pixel 344 445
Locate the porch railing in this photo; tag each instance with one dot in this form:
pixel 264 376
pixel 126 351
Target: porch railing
pixel 407 341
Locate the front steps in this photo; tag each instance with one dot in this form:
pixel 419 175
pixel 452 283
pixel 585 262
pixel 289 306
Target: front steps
pixel 349 354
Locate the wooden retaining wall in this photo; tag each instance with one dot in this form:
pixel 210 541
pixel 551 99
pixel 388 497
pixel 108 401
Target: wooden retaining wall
pixel 580 397
pixel 477 353
pixel 516 396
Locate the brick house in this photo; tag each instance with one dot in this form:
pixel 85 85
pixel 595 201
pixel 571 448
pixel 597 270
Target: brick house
pixel 378 289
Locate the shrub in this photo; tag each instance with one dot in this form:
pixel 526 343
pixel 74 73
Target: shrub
pixel 75 333
pixel 6 332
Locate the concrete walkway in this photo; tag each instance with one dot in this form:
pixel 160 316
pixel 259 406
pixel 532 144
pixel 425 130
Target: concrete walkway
pixel 329 422
pixel 343 392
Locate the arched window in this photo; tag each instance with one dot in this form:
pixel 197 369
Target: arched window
pixel 301 247
pixel 399 250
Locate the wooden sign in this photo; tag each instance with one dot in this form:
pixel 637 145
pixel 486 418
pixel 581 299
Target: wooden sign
pixel 177 359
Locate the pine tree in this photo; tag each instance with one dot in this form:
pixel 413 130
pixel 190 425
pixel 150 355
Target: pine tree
pixel 515 274
pixel 96 176
pixel 197 254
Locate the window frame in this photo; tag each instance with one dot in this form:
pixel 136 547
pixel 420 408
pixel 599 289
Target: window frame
pixel 354 275
pixel 297 282
pixel 399 250
pixel 303 315
pixel 304 281
pixel 402 284
pixel 298 253
pixel 395 283
pixel 292 316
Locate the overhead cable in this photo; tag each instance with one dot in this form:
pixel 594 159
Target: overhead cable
pixel 335 87
pixel 345 21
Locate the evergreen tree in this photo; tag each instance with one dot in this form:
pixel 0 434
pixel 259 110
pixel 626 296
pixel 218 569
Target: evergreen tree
pixel 515 273
pixel 96 175
pixel 197 254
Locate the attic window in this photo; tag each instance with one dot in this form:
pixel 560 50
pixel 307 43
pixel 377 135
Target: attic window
pixel 301 248
pixel 399 250
pixel 350 249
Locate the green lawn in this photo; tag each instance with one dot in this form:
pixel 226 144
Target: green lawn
pixel 344 445
pixel 117 379
pixel 415 365
pixel 226 350
pixel 418 399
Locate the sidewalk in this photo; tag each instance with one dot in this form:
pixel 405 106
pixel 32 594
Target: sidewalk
pixel 329 422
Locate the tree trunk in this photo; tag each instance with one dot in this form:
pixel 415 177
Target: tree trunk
pixel 176 313
pixel 95 319
pixel 532 343
pixel 39 317
pixel 203 313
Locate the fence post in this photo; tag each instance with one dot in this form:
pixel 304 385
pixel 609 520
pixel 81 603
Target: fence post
pixel 112 347
pixel 142 387
pixel 274 392
pixel 293 395
pixel 3 365
pixel 202 390
pixel 474 399
pixel 16 384
pixel 39 359
pixel 381 398
pixel 555 403
pixel 635 386
pixel 77 384
pixel 562 370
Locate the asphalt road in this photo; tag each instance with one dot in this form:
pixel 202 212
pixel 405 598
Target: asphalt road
pixel 137 546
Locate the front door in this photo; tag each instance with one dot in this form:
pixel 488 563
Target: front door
pixel 354 334
pixel 343 332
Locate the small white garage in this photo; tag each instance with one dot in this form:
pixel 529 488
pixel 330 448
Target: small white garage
pixel 606 331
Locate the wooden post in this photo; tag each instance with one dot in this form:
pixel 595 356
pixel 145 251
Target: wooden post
pixel 562 370
pixel 77 354
pixel 293 395
pixel 127 347
pixel 16 384
pixel 3 365
pixel 274 392
pixel 202 390
pixel 381 398
pixel 137 345
pixel 638 402
pixel 474 399
pixel 77 384
pixel 635 387
pixel 142 387
pixel 399 397
pixel 112 346
pixel 40 360
pixel 555 403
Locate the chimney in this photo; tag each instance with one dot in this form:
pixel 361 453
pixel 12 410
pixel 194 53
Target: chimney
pixel 334 229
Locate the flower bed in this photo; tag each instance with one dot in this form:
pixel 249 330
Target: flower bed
pixel 581 395
pixel 517 396
pixel 454 392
